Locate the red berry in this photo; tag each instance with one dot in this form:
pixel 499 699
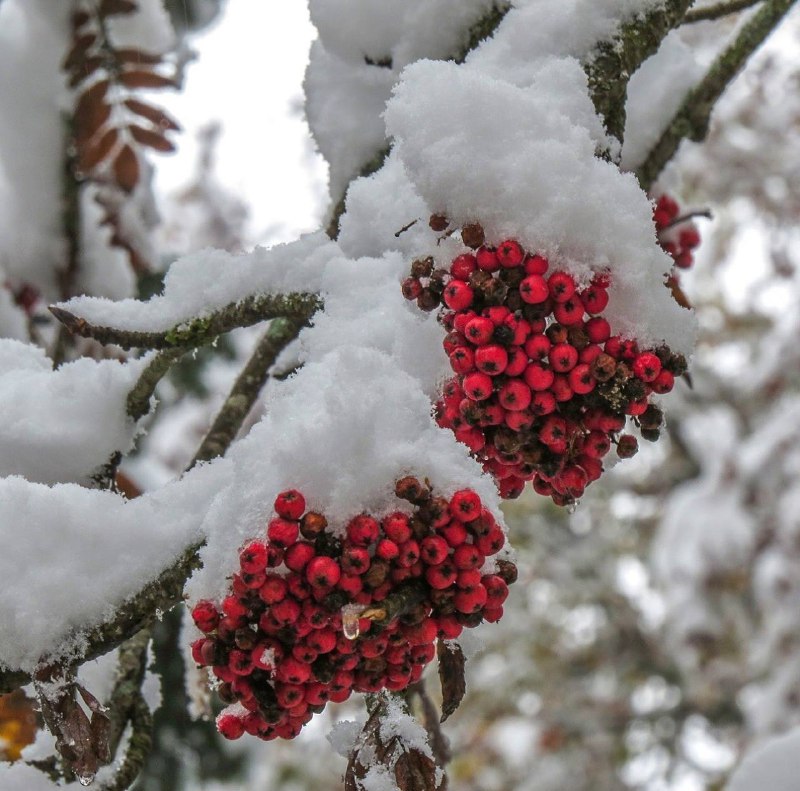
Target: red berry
pixel 509 253
pixel 465 505
pixel 462 360
pixel 387 549
pixel 479 330
pixel 297 555
pixel 477 386
pixel 597 329
pixel 458 295
pixel 433 550
pixel 581 380
pixel 514 395
pixel 561 286
pixel 290 504
pixel 533 289
pixel 363 530
pixel 536 265
pixel 282 533
pixel 538 378
pixel 205 615
pixel 470 601
pixel 397 527
pixel 487 259
pixel 323 572
pixel 563 357
pixel 491 359
pixel 647 366
pixel 463 266
pixel 663 383
pixel 231 726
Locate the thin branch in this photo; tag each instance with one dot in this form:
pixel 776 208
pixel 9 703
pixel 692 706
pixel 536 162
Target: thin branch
pixel 430 719
pixel 139 746
pixel 281 332
pixel 614 61
pixel 692 119
pixel 131 666
pixel 717 11
pixel 198 331
pixel 138 404
pixel 404 599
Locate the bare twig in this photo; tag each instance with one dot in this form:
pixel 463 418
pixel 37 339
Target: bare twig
pixel 718 11
pixel 138 404
pixel 692 119
pixel 198 331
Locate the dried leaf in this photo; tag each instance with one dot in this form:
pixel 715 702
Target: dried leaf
pixel 17 725
pixel 145 79
pixel 79 19
pixel 149 138
pixel 91 111
pixel 90 156
pixel 678 294
pixel 85 69
pixel 410 768
pixel 78 51
pixel 158 117
pixel 132 55
pixel 116 7
pixel 451 675
pixel 126 169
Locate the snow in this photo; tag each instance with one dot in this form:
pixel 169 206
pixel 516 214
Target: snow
pixel 344 735
pixel 773 765
pixel 48 432
pixel 480 148
pixel 149 28
pixel 399 30
pixel 84 552
pixel 342 445
pixel 655 93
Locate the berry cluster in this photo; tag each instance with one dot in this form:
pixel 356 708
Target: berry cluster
pixel 542 387
pixel 313 617
pixel 677 235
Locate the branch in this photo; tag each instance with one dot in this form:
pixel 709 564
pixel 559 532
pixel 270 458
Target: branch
pixel 139 747
pixel 717 11
pixel 692 119
pixel 138 404
pixel 403 600
pixel 198 331
pixel 615 61
pixel 280 333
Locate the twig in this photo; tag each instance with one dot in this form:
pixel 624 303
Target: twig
pixel 138 404
pixel 430 719
pixel 692 119
pixel 689 216
pixel 139 746
pixel 717 11
pixel 198 331
pixel 403 600
pixel 615 60
pixel 280 333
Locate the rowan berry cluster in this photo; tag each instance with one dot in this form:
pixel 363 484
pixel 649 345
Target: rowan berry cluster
pixel 313 617
pixel 542 388
pixel 677 235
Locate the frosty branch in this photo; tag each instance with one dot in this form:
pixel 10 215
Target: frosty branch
pixel 201 330
pixel 692 119
pixel 718 11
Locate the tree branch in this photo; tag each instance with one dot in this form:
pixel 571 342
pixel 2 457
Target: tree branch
pixel 198 331
pixel 717 11
pixel 692 119
pixel 615 60
pixel 138 404
pixel 281 332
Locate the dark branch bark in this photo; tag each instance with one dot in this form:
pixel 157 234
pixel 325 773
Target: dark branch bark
pixel 692 119
pixel 198 331
pixel 615 61
pixel 138 404
pixel 718 11
pixel 245 391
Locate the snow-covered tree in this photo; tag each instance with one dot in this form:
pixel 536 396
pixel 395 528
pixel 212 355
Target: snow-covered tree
pixel 491 308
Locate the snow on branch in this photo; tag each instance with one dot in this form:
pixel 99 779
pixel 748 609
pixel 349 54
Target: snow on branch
pixel 718 10
pixel 47 433
pixel 692 119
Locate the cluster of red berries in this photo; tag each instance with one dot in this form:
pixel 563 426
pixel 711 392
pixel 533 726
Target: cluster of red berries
pixel 677 235
pixel 542 387
pixel 313 617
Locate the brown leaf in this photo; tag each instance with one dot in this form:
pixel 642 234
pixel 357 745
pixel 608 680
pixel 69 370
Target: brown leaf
pixel 126 169
pixel 115 7
pixel 678 294
pixel 17 725
pixel 88 67
pixel 451 675
pixel 153 114
pixel 78 51
pixel 79 19
pixel 90 156
pixel 91 111
pixel 149 138
pixel 411 769
pixel 132 55
pixel 145 79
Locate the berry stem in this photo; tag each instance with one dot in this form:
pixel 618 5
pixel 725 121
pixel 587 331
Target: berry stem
pixel 404 599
